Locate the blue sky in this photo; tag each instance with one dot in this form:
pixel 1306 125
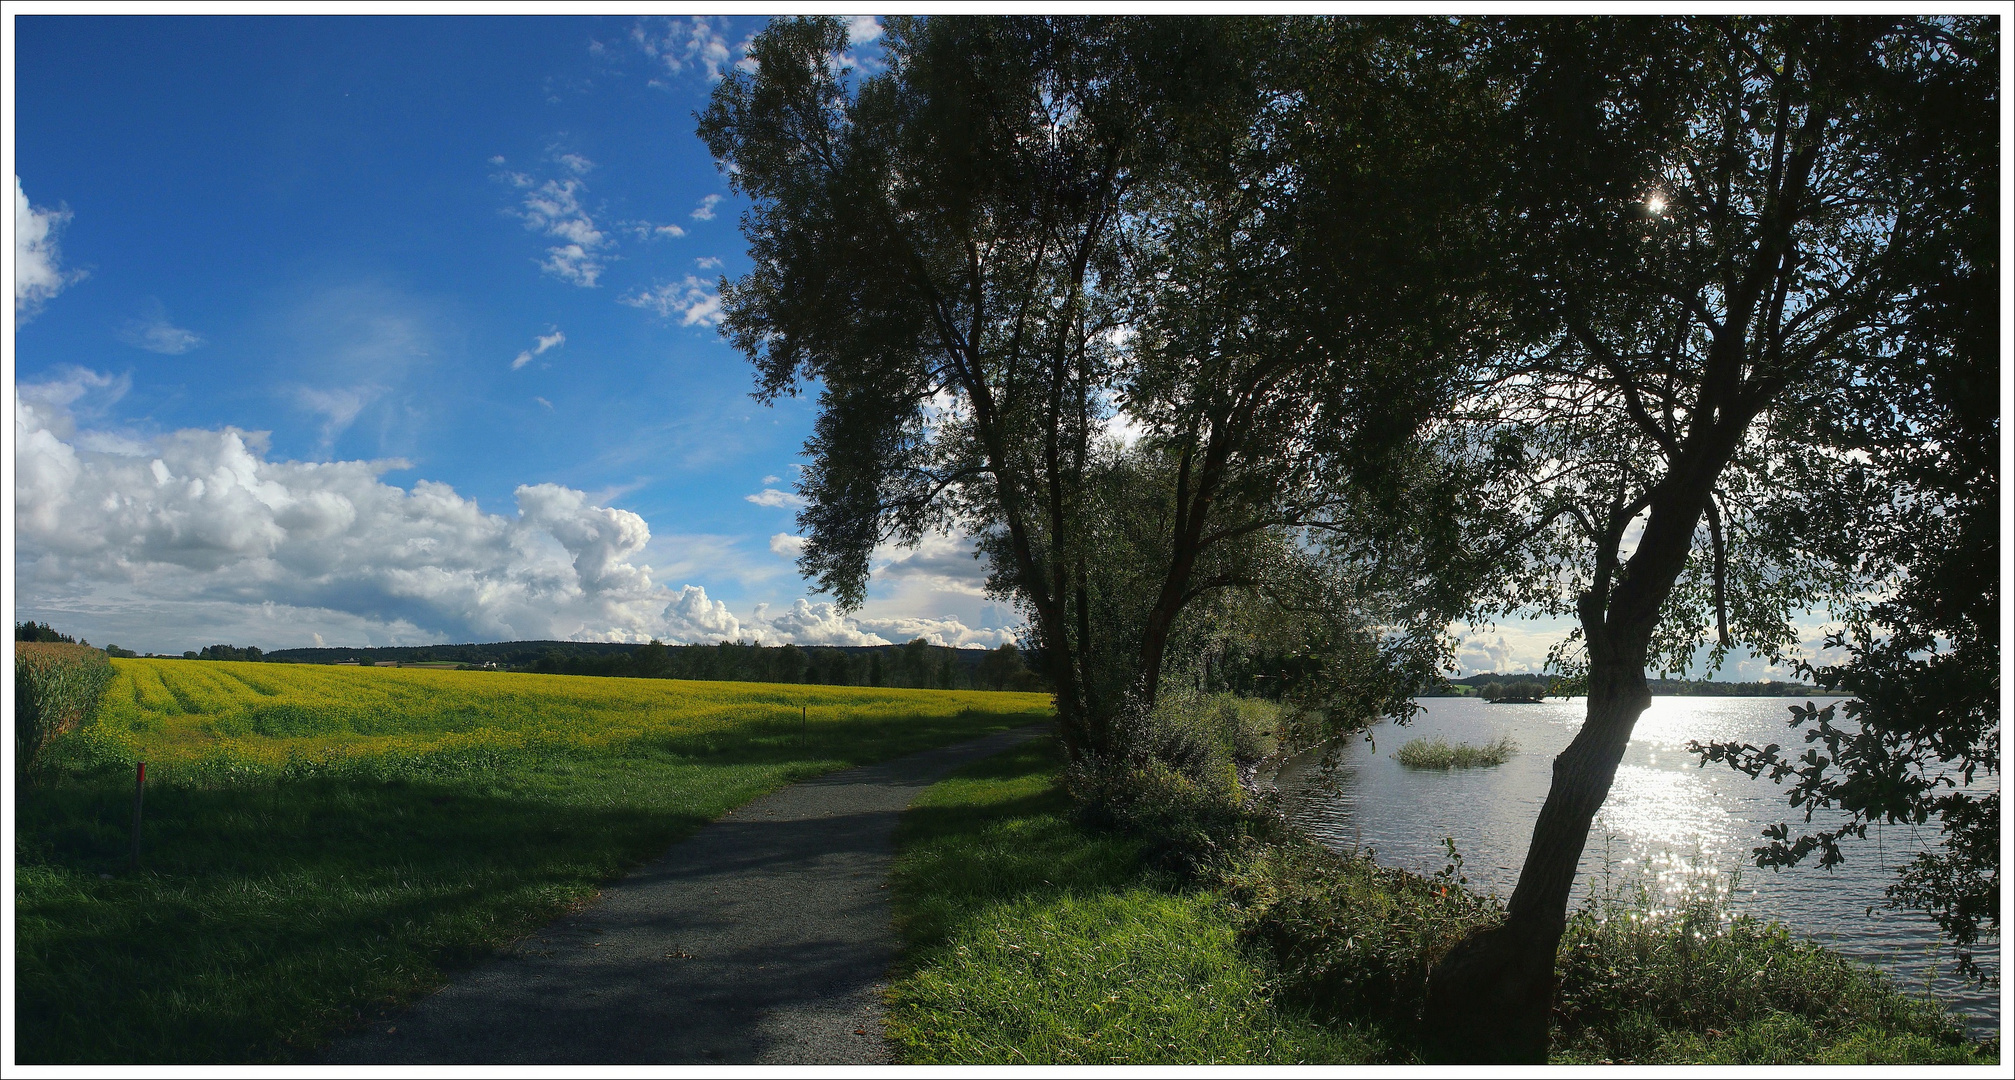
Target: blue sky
pixel 418 317
pixel 370 331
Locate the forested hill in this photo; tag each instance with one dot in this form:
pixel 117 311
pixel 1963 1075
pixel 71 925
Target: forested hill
pixel 917 664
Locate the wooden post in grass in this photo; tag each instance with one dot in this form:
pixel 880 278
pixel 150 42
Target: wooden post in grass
pixel 139 799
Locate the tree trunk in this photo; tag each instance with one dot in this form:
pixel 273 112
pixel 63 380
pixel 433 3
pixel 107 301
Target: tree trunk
pixel 1490 999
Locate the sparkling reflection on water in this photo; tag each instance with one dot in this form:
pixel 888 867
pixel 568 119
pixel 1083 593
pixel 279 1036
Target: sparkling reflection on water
pixel 1669 825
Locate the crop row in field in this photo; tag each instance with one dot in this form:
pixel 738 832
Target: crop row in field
pixel 224 719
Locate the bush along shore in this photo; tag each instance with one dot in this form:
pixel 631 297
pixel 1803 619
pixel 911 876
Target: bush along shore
pixel 1158 914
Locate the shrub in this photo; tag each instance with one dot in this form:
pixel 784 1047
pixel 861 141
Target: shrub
pixel 56 689
pixel 1439 753
pixel 1352 941
pixel 1173 780
pixel 1690 980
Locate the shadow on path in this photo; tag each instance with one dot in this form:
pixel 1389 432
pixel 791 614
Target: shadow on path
pixel 765 937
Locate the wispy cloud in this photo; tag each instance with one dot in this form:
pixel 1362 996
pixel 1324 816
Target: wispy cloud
pixel 156 334
pixel 708 263
pixel 543 401
pixel 542 343
pixel 38 265
pixel 575 163
pixel 705 211
pixel 683 44
pixel 338 407
pixel 693 300
pixel 649 230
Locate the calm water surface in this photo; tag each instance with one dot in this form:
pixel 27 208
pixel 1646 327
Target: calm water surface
pixel 1669 825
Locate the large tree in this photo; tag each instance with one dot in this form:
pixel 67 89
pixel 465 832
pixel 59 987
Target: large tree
pixel 1921 739
pixel 1711 226
pixel 1231 230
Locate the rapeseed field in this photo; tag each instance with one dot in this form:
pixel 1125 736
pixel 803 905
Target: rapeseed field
pixel 218 720
pixel 324 844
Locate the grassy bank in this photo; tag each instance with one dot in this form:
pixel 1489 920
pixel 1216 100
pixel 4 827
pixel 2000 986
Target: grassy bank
pixel 1031 939
pixel 322 844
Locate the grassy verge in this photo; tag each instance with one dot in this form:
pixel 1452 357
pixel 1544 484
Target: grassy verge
pixel 1029 940
pixel 286 894
pixel 1439 753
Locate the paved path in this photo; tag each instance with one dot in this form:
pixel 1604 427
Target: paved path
pixel 765 937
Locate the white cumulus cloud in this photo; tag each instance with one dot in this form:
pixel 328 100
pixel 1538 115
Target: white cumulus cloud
pixel 781 500
pixel 862 29
pixel 705 211
pixel 38 269
pixel 201 528
pixel 806 623
pixel 693 300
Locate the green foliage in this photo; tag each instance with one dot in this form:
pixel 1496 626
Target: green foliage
pixel 1692 981
pixel 249 654
pixel 1352 941
pixel 1516 692
pixel 57 689
pixel 1439 753
pixel 1003 669
pixel 1176 785
pixel 1029 939
pixel 1924 431
pixel 34 631
pixel 296 885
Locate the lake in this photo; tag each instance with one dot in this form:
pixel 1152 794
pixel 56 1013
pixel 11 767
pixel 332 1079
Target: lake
pixel 1669 825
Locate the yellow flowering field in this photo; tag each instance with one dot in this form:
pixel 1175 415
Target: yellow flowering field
pixel 258 717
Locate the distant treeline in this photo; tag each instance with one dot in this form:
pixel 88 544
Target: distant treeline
pixel 917 664
pixel 1476 684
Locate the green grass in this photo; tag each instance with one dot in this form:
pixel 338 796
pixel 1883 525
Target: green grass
pixel 1439 753
pixel 295 886
pixel 1030 940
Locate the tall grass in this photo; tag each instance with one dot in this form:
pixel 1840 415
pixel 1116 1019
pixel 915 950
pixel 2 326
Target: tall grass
pixel 57 688
pixel 1439 753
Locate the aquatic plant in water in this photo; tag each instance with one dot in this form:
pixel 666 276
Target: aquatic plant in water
pixel 1439 753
